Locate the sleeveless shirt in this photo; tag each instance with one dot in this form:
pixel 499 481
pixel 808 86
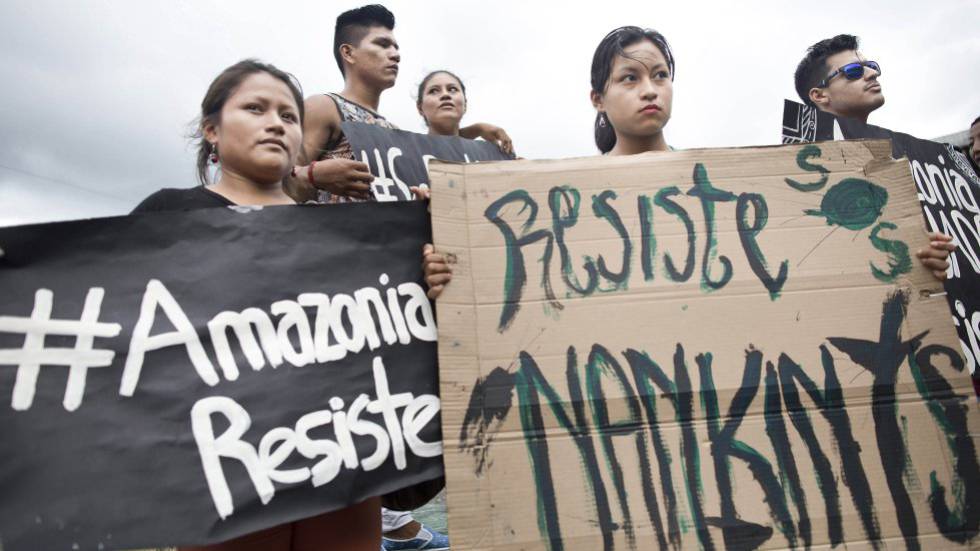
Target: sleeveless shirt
pixel 340 148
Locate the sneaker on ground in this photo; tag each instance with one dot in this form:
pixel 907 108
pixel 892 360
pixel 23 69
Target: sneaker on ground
pixel 425 540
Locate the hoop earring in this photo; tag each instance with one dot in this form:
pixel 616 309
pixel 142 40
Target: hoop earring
pixel 213 157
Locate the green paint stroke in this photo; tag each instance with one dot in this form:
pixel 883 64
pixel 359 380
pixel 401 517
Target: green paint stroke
pixel 802 161
pixel 899 261
pixel 852 203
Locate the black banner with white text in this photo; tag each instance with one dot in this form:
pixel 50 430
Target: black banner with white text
pixel 398 158
pixel 189 377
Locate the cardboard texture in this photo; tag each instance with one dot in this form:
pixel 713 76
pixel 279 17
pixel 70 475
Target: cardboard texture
pixel 729 348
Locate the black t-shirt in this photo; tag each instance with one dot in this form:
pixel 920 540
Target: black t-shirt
pixel 194 198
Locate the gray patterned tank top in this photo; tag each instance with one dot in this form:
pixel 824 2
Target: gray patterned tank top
pixel 340 148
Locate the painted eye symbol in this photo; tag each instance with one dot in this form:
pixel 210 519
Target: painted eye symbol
pixel 852 203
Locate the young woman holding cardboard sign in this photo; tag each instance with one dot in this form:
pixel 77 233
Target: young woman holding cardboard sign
pixel 632 92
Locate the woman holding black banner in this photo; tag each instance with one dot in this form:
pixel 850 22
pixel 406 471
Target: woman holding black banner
pixel 251 127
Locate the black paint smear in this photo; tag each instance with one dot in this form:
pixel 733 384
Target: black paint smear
pixel 950 412
pixel 882 359
pixel 644 370
pixel 748 535
pixel 571 199
pixel 490 402
pixel 724 445
pixel 600 362
pixel 776 429
pixel 830 402
pixel 531 384
pixel 516 275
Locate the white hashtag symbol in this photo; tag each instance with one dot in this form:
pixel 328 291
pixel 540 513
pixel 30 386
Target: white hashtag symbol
pixel 33 354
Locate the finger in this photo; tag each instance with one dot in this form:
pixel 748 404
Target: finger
pixel 432 268
pixel 357 166
pixel 933 253
pixel 939 236
pixel 943 245
pixel 420 193
pixel 939 274
pixel 361 176
pixel 434 280
pixel 358 190
pixel 358 186
pixel 428 249
pixel 935 264
pixel 434 292
pixel 439 274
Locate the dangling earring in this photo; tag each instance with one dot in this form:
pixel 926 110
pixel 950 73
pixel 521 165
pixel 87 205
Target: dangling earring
pixel 602 120
pixel 213 157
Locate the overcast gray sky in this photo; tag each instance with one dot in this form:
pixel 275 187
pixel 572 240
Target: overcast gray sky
pixel 98 95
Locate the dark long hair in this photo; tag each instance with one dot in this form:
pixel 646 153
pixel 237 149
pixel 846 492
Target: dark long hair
pixel 602 62
pixel 428 77
pixel 222 88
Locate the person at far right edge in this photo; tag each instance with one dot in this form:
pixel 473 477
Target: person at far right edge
pixel 836 78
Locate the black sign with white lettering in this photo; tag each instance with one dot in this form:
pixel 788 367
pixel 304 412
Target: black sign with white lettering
pixel 948 190
pixel 398 158
pixel 186 378
pixel 804 124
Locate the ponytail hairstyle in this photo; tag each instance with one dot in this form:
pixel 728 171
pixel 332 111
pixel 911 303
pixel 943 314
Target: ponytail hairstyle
pixel 602 62
pixel 222 88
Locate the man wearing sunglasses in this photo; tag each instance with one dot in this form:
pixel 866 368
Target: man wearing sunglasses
pixel 835 77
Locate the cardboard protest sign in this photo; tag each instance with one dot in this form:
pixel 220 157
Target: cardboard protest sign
pixel 715 349
pixel 398 158
pixel 186 378
pixel 948 191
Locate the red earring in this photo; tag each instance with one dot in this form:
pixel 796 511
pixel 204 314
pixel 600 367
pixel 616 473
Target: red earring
pixel 213 157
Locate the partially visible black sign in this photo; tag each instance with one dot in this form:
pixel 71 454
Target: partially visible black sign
pixel 186 378
pixel 804 124
pixel 398 158
pixel 948 191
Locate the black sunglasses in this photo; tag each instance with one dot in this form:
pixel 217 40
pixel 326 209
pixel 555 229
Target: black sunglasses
pixel 852 71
